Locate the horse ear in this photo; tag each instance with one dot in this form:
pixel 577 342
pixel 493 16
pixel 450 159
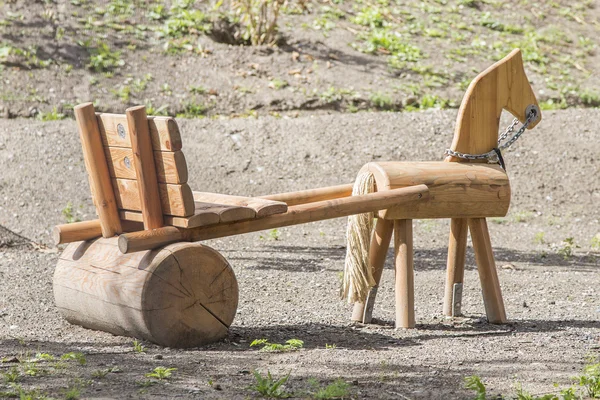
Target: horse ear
pixel 515 88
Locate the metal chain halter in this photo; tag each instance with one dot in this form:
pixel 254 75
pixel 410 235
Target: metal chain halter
pixel 494 156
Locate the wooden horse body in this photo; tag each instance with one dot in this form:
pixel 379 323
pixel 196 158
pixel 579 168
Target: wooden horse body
pixel 467 193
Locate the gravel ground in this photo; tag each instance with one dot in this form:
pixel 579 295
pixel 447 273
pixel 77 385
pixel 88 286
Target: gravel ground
pixel 289 286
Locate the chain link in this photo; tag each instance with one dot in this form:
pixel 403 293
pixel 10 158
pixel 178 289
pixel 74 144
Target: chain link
pixel 492 155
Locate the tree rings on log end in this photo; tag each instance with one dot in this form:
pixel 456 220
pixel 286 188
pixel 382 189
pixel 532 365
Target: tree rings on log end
pixel 181 295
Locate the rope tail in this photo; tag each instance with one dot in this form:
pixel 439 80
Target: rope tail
pixel 358 277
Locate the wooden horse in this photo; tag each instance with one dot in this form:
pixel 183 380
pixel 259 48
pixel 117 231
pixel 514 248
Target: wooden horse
pixel 458 189
pixel 133 272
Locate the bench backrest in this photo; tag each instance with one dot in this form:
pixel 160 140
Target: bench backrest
pixel 171 174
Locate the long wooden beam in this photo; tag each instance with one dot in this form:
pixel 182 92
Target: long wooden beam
pixel 87 230
pixel 310 212
pixel 312 195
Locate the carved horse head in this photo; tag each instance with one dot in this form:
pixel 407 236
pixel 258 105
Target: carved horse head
pixel 503 86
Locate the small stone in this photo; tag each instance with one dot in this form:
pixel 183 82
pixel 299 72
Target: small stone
pixel 525 304
pixel 158 357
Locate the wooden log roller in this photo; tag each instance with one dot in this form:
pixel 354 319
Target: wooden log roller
pixel 151 283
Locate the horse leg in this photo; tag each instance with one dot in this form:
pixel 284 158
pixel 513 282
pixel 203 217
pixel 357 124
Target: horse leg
pixel 405 296
pixel 455 271
pixel 492 295
pixel 380 243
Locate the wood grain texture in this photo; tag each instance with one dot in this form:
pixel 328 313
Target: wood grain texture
pixel 202 219
pixel 171 166
pixel 311 195
pixel 164 132
pixel 226 213
pixel 455 270
pixel 504 85
pixel 95 163
pixel 262 207
pixel 176 200
pixel 298 214
pixel 457 190
pixel 143 160
pixel 490 285
pixel 76 231
pixel 405 284
pixel 184 295
pixel 380 242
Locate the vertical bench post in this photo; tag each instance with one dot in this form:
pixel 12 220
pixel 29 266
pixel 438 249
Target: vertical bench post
pixel 95 163
pixel 143 156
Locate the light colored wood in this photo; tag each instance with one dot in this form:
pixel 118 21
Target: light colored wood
pixel 176 200
pixel 184 295
pixel 95 163
pixel 170 166
pixel 299 214
pixel 457 249
pixel 164 132
pixel 504 85
pixel 311 195
pixel 143 160
pixel 456 190
pixel 76 231
pixel 225 212
pixel 490 285
pixel 262 207
pixel 380 242
pixel 405 281
pixel 201 219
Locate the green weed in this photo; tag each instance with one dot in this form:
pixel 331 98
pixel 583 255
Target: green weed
pixel 102 58
pixel 138 347
pixel 290 345
pixel 595 242
pixel 339 389
pixel 191 109
pixel 69 214
pixel 538 238
pixel 11 376
pixel 183 20
pixel 161 373
pixel 278 84
pixel 269 387
pixel 53 115
pixel 381 101
pixel 566 248
pixel 79 357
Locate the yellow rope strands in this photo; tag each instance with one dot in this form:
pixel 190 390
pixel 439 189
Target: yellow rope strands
pixel 358 277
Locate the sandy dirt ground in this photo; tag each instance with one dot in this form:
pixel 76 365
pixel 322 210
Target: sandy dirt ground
pixel 289 285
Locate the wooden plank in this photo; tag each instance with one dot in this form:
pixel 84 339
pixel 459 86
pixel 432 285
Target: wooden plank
pixel 405 285
pixel 176 200
pixel 164 132
pixel 203 219
pixel 226 213
pixel 486 266
pixel 262 207
pixel 170 166
pixel 457 249
pixel 95 163
pixel 143 158
pixel 299 214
